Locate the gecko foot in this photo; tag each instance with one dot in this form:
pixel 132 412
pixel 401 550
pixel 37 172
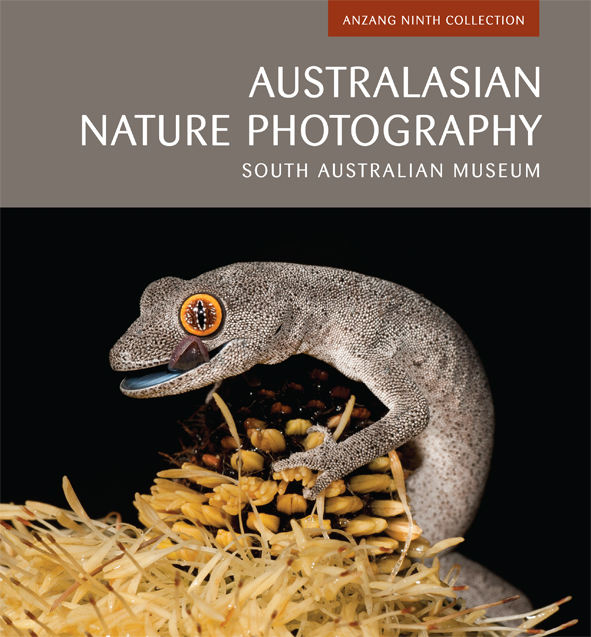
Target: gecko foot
pixel 328 439
pixel 318 459
pixel 323 481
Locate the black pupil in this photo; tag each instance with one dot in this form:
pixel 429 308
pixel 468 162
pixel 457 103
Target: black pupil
pixel 201 317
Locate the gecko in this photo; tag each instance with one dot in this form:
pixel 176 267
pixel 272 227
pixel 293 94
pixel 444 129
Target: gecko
pixel 407 351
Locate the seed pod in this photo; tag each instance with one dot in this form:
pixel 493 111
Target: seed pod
pixel 278 408
pixel 366 525
pixel 342 505
pixel 253 423
pixel 386 508
pixel 212 480
pixel 165 544
pixel 270 522
pixel 333 421
pixel 374 569
pixel 307 476
pixel 297 427
pixel 340 392
pixel 162 515
pixel 227 497
pixel 228 442
pixel 224 539
pixel 382 543
pixel 222 494
pixel 163 501
pixel 391 488
pixel 369 483
pixel 278 547
pixel 234 507
pixel 189 530
pixel 214 516
pixel 291 503
pixel 192 496
pixel 251 461
pixel 256 437
pixel 190 555
pixel 379 464
pixel 212 462
pixel 194 512
pixel 260 491
pixel 399 527
pixel 418 547
pixel 271 440
pixel 335 488
pixel 387 564
pixel 312 522
pixel 319 374
pixel 315 439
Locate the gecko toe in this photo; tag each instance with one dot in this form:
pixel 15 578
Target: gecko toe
pixel 299 459
pixel 323 481
pixel 319 428
pixel 309 494
pixel 328 441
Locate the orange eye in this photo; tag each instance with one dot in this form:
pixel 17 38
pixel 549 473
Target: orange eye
pixel 201 314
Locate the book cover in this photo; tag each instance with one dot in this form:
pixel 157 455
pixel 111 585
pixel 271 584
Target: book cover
pixel 442 145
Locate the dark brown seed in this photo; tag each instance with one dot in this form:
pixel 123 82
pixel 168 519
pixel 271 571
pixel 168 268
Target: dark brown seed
pixel 254 423
pixel 361 413
pixel 316 404
pixel 267 393
pixel 215 462
pixel 319 374
pixel 228 442
pixel 279 408
pixel 340 392
pixel 296 386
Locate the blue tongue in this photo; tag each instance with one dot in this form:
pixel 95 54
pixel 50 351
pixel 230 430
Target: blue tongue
pixel 149 380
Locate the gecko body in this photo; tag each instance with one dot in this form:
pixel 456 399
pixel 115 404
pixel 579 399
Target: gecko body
pixel 413 357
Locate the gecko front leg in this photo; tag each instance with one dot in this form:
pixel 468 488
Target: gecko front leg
pixel 408 416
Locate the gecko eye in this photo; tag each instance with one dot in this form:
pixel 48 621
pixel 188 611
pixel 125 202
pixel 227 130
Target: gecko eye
pixel 201 314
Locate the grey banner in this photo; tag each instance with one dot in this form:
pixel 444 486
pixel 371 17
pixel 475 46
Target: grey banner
pixel 63 60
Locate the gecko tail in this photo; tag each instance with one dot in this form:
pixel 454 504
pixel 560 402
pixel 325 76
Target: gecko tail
pixel 485 586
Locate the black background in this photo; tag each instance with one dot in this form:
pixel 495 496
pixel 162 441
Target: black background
pixel 517 282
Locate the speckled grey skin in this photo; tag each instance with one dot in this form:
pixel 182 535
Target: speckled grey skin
pixel 406 350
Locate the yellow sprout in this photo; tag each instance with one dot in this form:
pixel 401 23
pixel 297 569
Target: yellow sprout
pixel 368 483
pixel 251 461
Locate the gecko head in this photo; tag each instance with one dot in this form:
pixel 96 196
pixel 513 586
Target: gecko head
pixel 193 333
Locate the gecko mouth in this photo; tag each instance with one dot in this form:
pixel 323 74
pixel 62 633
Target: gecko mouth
pixel 187 356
